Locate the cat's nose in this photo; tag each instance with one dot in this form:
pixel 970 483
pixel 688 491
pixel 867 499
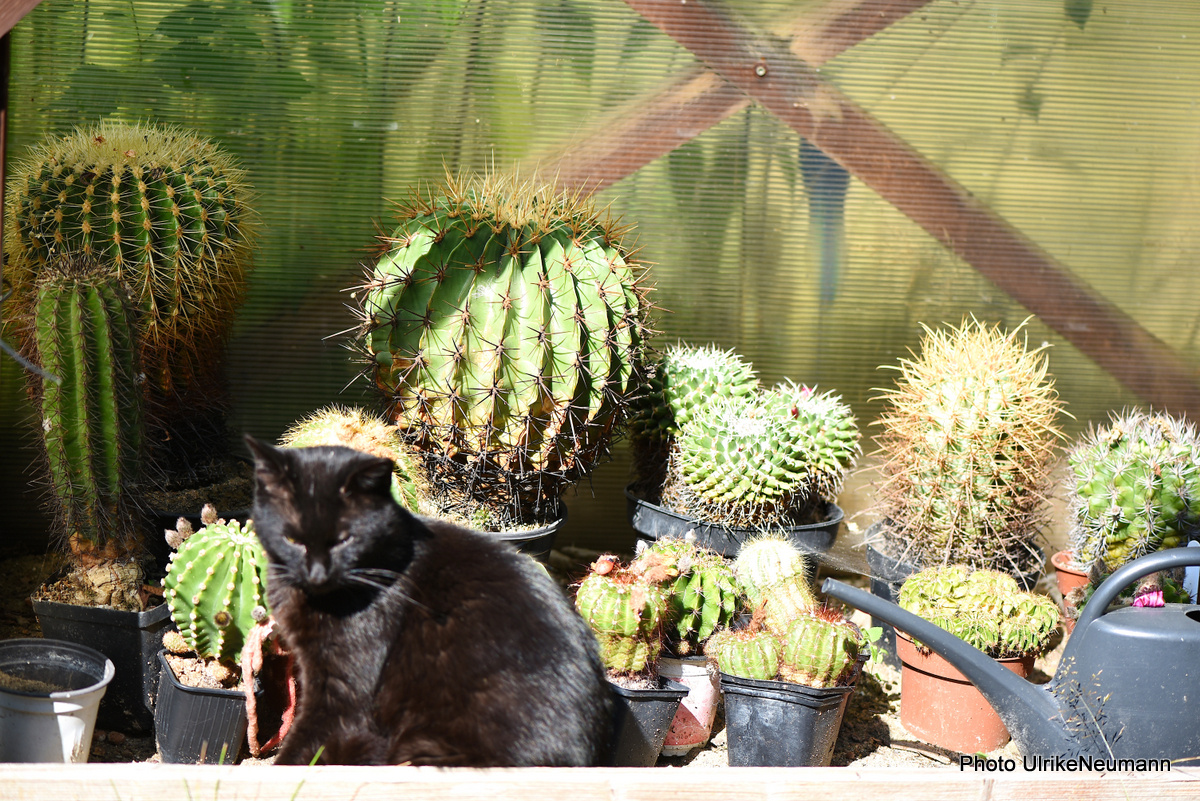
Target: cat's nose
pixel 318 574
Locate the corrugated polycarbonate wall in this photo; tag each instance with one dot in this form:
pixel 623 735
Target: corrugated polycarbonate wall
pixel 798 237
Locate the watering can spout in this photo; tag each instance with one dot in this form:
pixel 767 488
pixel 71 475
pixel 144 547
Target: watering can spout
pixel 1031 715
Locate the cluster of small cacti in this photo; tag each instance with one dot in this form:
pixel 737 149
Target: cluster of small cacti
pixel 162 211
pixel 626 610
pixel 985 608
pixel 357 428
pixel 715 446
pixel 216 585
pixel 91 417
pixel 504 324
pixel 1135 488
pixel 703 594
pixel 969 437
pixel 819 648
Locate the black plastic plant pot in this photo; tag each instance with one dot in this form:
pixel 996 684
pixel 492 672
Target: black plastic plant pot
pixel 535 542
pixel 641 719
pixel 131 640
pixel 197 725
pixel 775 723
pixel 653 522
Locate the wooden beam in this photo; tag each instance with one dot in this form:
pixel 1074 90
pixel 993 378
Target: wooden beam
pixel 114 782
pixel 763 67
pixel 650 127
pixel 11 12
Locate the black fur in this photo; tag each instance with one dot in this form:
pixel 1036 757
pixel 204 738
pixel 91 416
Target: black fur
pixel 417 641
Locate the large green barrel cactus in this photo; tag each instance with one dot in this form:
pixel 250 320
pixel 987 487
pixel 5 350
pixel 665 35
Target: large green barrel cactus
pixel 504 324
pixel 161 209
pixel 356 428
pixel 683 379
pixel 214 584
pixel 1135 488
pixel 626 613
pixel 703 594
pixel 820 651
pixel 969 438
pixel 746 653
pixel 767 459
pixel 92 415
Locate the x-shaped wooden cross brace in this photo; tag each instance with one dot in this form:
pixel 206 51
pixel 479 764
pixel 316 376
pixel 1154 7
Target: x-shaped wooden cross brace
pixel 745 65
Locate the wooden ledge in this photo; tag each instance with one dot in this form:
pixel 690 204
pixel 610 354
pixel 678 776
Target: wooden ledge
pixel 122 782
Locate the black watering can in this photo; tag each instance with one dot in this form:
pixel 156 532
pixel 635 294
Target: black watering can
pixel 1128 685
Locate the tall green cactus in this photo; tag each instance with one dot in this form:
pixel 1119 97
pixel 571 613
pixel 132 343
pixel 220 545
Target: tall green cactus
pixel 1135 488
pixel 163 211
pixel 356 428
pixel 768 459
pixel 626 612
pixel 216 588
pixel 773 574
pixel 504 324
pixel 92 416
pixel 969 439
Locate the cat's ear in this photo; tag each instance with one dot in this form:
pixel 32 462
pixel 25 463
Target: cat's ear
pixel 269 466
pixel 371 475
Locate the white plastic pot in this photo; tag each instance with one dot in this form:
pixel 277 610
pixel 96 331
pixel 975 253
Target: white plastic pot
pixel 50 691
pixel 692 725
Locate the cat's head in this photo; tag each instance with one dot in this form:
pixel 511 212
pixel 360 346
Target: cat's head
pixel 327 519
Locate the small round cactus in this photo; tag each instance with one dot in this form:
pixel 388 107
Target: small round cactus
pixel 746 653
pixel 1135 488
pixel 820 650
pixel 214 584
pixel 357 428
pixel 767 459
pixel 983 607
pixel 969 440
pixel 626 613
pixel 703 594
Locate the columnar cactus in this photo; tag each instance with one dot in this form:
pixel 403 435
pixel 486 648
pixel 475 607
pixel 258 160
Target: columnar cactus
pixel 969 437
pixel 703 595
pixel 359 429
pixel 626 611
pixel 1135 488
pixel 164 211
pixel 767 459
pixel 820 650
pixel 773 574
pixel 983 607
pixel 216 586
pixel 92 415
pixel 504 324
pixel 750 654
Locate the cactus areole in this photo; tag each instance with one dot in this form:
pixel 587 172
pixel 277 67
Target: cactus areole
pixel 504 324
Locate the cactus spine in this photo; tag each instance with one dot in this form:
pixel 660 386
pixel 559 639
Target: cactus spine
pixel 356 428
pixel 626 612
pixel 1135 488
pixel 161 210
pixel 968 436
pixel 91 419
pixel 504 325
pixel 215 583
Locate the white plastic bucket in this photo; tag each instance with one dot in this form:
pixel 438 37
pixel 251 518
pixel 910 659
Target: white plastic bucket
pixel 50 691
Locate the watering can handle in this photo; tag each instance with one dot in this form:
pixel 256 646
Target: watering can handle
pixel 1108 591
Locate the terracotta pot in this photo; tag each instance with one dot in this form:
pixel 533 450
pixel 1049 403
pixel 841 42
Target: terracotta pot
pixel 940 706
pixel 692 725
pixel 1069 578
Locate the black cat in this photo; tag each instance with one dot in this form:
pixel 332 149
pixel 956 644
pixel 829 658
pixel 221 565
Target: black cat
pixel 417 641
